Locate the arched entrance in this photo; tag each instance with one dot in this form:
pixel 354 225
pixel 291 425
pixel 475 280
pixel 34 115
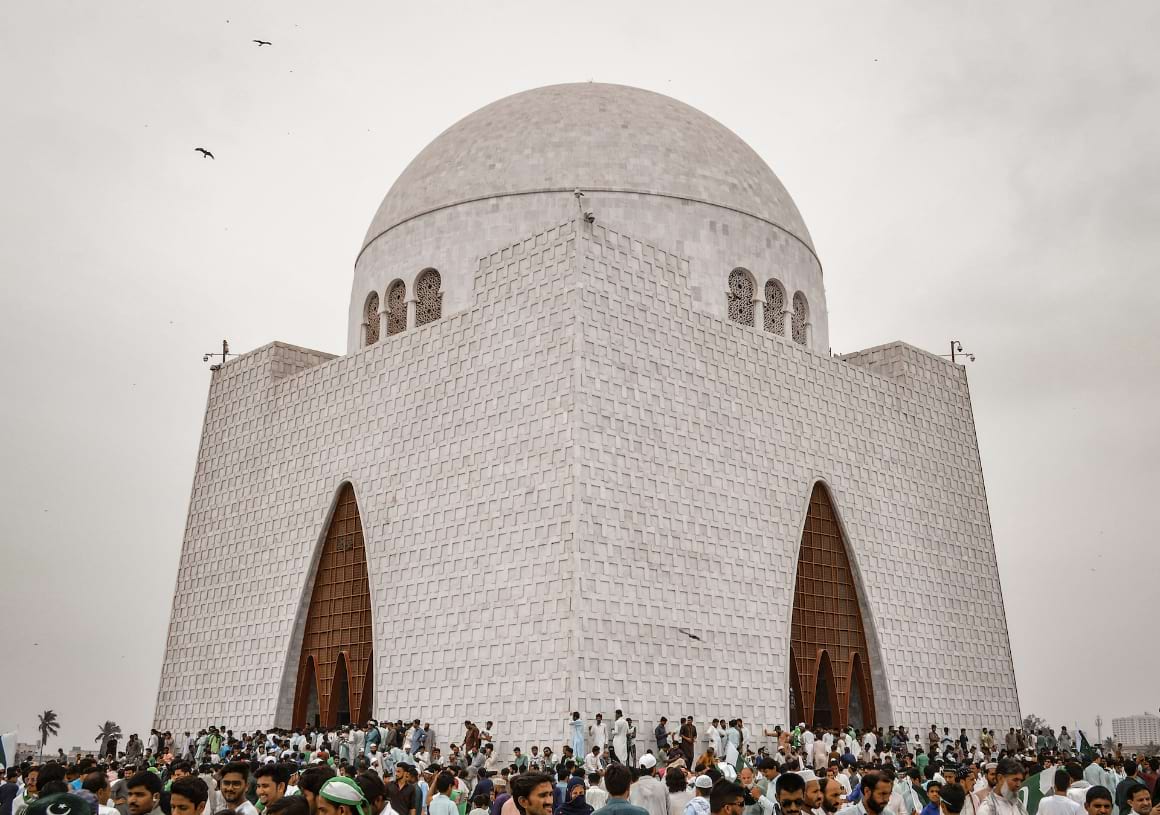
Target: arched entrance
pixel 336 643
pixel 796 714
pixel 828 640
pixel 825 694
pixel 859 701
pixel 309 689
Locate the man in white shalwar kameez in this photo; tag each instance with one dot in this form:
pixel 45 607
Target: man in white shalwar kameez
pixel 620 738
pixel 598 732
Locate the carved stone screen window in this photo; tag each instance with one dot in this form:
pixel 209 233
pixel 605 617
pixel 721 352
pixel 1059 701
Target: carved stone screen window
pixel 801 315
pixel 830 674
pixel 372 318
pixel 334 672
pixel 774 308
pixel 741 297
pixel 428 298
pixel 397 308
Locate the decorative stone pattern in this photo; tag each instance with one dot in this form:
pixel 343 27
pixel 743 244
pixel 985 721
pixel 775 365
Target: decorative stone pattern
pixel 775 308
pixel 623 465
pixel 799 319
pixel 397 308
pixel 372 318
pixel 741 297
pixel 428 298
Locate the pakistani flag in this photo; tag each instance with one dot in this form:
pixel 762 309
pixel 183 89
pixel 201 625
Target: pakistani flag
pixel 1084 747
pixel 7 749
pixel 1031 793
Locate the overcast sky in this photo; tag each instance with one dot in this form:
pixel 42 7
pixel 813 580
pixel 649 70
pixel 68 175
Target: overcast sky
pixel 986 172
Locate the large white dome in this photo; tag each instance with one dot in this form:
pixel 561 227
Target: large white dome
pixel 595 137
pixel 652 168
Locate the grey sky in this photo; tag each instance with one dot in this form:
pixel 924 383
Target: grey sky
pixel 986 172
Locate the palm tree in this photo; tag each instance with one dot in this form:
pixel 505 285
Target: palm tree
pixel 105 732
pixel 49 726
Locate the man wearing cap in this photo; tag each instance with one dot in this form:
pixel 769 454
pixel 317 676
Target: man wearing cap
pixel 991 776
pixel 812 793
pixel 373 735
pixel 1004 798
pixel 648 791
pixel 342 796
pixel 699 803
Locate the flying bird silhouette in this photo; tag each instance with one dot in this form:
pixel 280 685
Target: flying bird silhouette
pixel 689 634
pixel 204 153
pixel 262 42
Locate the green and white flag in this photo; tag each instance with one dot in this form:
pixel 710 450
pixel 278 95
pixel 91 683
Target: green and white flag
pixel 1031 793
pixel 7 749
pixel 1084 747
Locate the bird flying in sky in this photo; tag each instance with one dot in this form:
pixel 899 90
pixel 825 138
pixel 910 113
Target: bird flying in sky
pixel 262 42
pixel 204 153
pixel 689 634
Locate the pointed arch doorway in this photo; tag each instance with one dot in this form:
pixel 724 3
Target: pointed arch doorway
pixel 828 647
pixel 335 665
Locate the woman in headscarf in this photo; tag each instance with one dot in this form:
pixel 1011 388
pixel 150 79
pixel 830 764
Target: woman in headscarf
pixel 574 801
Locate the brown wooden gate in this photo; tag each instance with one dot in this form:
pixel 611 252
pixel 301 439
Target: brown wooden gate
pixel 338 626
pixel 828 641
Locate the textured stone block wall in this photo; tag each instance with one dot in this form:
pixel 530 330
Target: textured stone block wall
pixel 698 444
pixel 556 479
pixel 456 437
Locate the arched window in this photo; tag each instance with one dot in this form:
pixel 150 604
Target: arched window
pixel 428 298
pixel 801 315
pixel 741 297
pixel 774 308
pixel 397 308
pixel 371 313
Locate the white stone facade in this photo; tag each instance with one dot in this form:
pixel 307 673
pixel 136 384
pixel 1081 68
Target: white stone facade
pixel 593 457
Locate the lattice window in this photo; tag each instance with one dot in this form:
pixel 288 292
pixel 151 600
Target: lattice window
pixel 371 313
pixel 801 315
pixel 428 298
pixel 828 641
pixel 741 297
pixel 338 624
pixel 774 308
pixel 397 308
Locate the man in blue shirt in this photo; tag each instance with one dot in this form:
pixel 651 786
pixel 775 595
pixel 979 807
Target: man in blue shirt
pixel 618 780
pixel 933 790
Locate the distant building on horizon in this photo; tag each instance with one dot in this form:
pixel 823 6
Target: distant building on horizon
pixel 1137 731
pixel 588 448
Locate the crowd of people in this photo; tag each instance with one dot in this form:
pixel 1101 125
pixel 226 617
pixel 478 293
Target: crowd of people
pixel 397 768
